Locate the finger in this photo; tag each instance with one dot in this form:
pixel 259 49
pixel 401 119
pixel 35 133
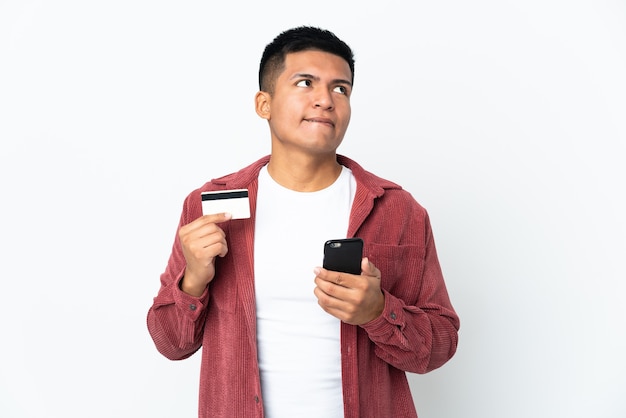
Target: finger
pixel 336 277
pixel 369 269
pixel 214 218
pixel 205 225
pixel 220 217
pixel 216 249
pixel 224 248
pixel 330 295
pixel 324 285
pixel 338 280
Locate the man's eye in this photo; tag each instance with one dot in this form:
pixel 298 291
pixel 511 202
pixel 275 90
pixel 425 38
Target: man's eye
pixel 340 89
pixel 304 83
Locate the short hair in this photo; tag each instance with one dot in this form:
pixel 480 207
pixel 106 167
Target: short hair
pixel 302 38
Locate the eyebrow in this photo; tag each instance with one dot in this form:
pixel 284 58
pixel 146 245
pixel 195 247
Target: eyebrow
pixel 316 78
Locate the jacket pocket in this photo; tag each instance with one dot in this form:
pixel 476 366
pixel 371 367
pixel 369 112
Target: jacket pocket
pixel 400 266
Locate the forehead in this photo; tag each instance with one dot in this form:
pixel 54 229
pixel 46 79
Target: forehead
pixel 316 63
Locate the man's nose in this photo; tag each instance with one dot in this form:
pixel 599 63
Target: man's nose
pixel 324 99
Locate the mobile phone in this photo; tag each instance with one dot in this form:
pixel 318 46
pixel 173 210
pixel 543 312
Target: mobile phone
pixel 343 255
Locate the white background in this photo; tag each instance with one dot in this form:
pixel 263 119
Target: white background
pixel 506 120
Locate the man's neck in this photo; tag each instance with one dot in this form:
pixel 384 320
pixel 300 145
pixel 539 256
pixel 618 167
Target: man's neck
pixel 304 173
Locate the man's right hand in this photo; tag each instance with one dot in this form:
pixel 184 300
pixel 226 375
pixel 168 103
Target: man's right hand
pixel 202 240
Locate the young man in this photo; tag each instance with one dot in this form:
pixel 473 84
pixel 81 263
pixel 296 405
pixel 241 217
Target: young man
pixel 281 337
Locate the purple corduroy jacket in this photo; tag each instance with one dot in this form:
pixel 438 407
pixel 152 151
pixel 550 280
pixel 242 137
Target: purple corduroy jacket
pixel 417 331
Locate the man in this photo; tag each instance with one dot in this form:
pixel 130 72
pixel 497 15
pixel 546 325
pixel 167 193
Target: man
pixel 281 337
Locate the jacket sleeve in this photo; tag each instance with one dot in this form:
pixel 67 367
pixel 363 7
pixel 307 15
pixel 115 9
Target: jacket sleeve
pixel 175 319
pixel 418 329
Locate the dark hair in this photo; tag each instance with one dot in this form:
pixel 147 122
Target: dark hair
pixel 298 39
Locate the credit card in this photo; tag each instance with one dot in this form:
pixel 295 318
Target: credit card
pixel 235 202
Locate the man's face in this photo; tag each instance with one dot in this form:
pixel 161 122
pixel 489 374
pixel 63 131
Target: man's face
pixel 309 110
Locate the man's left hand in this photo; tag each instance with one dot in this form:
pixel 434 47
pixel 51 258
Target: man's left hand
pixel 354 299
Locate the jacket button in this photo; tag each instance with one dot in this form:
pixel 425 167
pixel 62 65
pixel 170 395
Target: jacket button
pixel 393 316
pixel 192 307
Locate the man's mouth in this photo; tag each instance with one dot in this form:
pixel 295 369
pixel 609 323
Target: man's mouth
pixel 323 121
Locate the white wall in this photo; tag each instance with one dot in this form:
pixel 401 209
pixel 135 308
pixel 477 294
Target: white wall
pixel 507 120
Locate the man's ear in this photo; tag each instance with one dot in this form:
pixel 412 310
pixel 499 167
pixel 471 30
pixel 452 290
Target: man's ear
pixel 262 102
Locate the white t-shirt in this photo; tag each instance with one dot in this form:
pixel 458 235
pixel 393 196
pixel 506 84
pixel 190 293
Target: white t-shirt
pixel 298 343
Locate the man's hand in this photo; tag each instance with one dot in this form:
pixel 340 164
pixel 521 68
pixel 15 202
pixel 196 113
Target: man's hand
pixel 202 240
pixel 351 298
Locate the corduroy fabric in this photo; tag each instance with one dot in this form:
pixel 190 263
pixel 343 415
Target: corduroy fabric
pixel 417 332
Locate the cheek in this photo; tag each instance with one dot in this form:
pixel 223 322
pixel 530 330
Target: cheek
pixel 280 113
pixel 284 120
pixel 346 118
pixel 288 108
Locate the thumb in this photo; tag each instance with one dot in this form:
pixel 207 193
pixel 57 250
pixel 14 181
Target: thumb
pixel 368 268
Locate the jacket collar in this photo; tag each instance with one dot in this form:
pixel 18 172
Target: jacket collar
pixel 375 185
